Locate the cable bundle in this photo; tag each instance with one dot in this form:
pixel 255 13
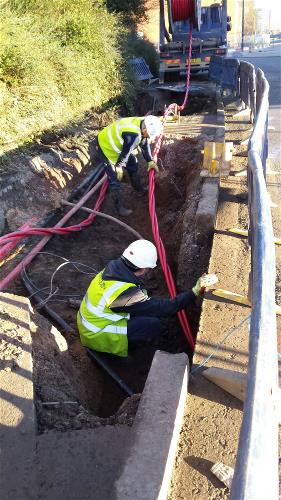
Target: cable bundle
pixel 182 10
pixel 154 222
pixel 56 230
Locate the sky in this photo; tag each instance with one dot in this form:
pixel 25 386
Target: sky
pixel 275 11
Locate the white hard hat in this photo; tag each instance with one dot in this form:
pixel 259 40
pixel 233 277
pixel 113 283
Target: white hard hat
pixel 141 253
pixel 153 126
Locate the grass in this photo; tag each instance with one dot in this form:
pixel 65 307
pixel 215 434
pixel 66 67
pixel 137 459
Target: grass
pixel 59 59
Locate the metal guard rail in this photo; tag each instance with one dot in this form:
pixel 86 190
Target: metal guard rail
pixel 256 470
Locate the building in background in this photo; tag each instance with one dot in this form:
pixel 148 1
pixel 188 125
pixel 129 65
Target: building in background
pixel 260 19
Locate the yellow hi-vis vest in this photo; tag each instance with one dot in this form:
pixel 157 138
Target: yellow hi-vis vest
pixel 110 138
pixel 99 327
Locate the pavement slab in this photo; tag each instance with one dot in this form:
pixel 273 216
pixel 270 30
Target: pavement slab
pixel 213 417
pixel 17 416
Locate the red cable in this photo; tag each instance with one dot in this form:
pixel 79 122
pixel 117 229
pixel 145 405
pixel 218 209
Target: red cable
pixel 154 222
pixel 38 247
pixel 57 230
pixel 8 247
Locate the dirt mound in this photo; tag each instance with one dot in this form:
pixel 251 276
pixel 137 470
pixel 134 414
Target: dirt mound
pixel 61 387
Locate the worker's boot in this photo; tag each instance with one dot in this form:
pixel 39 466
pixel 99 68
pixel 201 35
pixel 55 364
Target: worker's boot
pixel 136 184
pixel 117 198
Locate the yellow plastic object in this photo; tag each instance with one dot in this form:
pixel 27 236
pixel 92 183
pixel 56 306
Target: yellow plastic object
pixel 236 297
pixel 217 159
pixel 236 230
pixel 172 118
pixel 214 167
pixel 244 232
pixel 119 173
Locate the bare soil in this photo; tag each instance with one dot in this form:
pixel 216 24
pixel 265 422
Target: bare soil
pixel 83 395
pixel 94 247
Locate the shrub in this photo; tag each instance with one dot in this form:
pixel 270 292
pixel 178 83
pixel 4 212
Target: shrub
pixel 58 59
pixel 133 9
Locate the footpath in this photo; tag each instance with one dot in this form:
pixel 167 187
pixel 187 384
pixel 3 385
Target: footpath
pixel 213 417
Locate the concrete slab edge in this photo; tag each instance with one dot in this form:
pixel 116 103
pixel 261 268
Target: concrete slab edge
pixel 206 213
pixel 207 207
pixel 17 416
pixel 148 470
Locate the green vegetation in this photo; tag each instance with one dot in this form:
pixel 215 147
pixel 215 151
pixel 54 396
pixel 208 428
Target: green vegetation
pixel 60 58
pixel 134 9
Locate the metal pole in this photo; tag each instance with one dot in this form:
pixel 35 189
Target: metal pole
pixel 243 23
pixel 162 24
pixel 105 216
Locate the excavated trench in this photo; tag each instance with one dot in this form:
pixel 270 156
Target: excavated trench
pixel 71 391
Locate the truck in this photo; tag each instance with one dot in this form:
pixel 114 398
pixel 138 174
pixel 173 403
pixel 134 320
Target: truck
pixel 209 37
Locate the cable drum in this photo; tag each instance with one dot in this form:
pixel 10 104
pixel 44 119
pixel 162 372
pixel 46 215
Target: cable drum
pixel 187 10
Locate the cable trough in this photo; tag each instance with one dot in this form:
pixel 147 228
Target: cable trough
pixel 59 229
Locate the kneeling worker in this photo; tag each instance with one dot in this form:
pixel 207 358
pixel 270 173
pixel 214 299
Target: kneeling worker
pixel 116 310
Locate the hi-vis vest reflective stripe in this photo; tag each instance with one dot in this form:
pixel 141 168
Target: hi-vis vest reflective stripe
pixel 110 138
pixel 100 328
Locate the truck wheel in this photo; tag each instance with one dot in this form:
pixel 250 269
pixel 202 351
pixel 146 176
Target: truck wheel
pixel 172 77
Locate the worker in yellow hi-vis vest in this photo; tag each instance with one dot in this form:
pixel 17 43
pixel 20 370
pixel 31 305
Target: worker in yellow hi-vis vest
pixel 117 312
pixel 117 145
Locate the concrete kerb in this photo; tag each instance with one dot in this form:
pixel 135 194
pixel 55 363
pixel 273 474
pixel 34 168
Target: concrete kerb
pixel 148 470
pixel 208 203
pixel 17 417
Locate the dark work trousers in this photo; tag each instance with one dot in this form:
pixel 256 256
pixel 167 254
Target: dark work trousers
pixel 143 329
pixel 114 183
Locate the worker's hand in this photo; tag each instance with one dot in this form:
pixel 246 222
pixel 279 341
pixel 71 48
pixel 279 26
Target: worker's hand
pixel 203 282
pixel 152 165
pixel 119 173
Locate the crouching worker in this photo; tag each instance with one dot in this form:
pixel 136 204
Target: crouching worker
pixel 117 312
pixel 117 146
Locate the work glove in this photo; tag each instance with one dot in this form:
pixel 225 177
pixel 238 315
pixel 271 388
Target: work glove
pixel 119 173
pixel 203 282
pixel 152 165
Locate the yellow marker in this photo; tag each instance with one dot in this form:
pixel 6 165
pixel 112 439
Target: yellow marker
pixel 236 230
pixel 244 232
pixel 214 167
pixel 212 157
pixel 236 297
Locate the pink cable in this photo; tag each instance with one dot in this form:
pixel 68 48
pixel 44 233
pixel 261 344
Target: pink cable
pixel 9 246
pixel 30 256
pixel 154 222
pixel 43 231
